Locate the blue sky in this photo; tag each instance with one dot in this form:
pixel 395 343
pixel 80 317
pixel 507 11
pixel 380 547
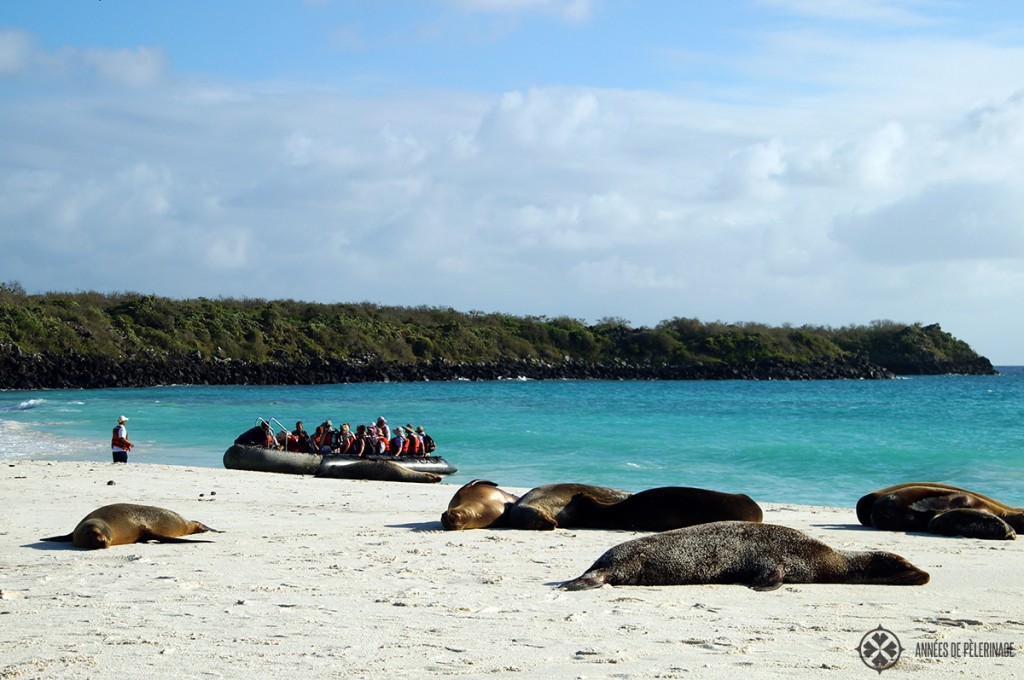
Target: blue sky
pixel 823 162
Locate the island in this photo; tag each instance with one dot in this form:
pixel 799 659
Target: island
pixel 99 340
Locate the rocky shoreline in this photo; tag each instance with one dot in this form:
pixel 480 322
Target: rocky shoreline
pixel 42 371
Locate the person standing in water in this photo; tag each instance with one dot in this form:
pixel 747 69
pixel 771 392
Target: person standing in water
pixel 119 444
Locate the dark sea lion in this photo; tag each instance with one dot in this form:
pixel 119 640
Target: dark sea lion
pixel 761 556
pixel 478 504
pixel 913 507
pixel 664 508
pixel 375 470
pixel 971 523
pixel 259 459
pixel 125 523
pixel 556 505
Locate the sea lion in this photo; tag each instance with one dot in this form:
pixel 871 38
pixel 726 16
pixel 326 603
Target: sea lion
pixel 125 523
pixel 913 506
pixel 556 505
pixel 664 508
pixel 971 523
pixel 761 556
pixel 376 470
pixel 478 504
pixel 259 459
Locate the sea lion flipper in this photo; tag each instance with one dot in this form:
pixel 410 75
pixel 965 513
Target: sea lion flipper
pixel 160 538
pixel 541 521
pixel 176 539
pixel 770 579
pixel 594 578
pixel 66 538
pixel 942 502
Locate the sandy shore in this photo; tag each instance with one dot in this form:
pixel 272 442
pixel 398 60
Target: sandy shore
pixel 332 578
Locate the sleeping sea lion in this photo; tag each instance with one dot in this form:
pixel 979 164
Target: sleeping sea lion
pixel 664 508
pixel 124 523
pixel 259 459
pixel 557 505
pixel 478 504
pixel 376 470
pixel 971 523
pixel 761 556
pixel 913 507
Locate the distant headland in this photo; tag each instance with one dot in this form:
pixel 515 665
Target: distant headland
pixel 96 340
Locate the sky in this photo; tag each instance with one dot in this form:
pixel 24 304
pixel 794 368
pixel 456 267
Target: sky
pixel 818 162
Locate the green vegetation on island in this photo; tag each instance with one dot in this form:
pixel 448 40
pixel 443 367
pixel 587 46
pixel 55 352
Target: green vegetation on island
pixel 115 329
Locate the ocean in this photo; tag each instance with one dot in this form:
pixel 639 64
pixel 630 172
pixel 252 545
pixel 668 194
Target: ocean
pixel 817 442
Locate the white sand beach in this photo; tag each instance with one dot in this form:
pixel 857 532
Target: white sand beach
pixel 333 578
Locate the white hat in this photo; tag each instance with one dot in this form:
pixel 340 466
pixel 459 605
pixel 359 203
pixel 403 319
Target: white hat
pixel 122 419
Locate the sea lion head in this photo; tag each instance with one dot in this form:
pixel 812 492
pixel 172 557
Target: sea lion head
pixel 478 504
pixel 92 534
pixel 886 568
pixel 455 520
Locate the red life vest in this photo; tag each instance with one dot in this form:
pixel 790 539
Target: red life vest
pixel 118 441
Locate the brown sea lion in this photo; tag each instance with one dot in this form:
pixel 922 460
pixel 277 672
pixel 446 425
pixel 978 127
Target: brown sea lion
pixel 557 505
pixel 478 504
pixel 376 470
pixel 761 556
pixel 125 523
pixel 867 502
pixel 664 508
pixel 913 507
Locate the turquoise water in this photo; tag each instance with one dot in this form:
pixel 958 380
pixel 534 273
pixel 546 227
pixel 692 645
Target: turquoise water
pixel 822 442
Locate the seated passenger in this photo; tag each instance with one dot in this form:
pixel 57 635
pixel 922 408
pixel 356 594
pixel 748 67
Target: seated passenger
pixel 301 439
pixel 429 445
pixel 325 443
pixel 361 443
pixel 398 443
pixel 260 435
pixel 377 444
pixel 382 428
pixel 345 438
pixel 414 447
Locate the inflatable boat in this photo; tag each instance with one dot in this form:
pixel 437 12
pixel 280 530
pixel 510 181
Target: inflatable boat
pixel 259 459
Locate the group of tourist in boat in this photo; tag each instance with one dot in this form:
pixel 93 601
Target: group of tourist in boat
pixel 375 439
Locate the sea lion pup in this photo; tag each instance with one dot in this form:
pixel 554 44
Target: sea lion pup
pixel 478 504
pixel 664 508
pixel 125 523
pixel 971 523
pixel 761 556
pixel 913 507
pixel 375 470
pixel 557 505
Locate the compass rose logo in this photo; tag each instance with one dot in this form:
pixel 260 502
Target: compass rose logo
pixel 880 649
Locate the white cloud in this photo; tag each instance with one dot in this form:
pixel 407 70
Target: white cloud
pixel 947 222
pixel 15 52
pixel 139 67
pixel 571 10
pixel 900 12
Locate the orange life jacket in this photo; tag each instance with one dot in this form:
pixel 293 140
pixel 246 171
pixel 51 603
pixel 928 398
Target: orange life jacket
pixel 118 441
